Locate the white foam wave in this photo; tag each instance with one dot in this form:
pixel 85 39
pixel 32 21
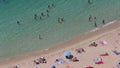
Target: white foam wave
pixel 110 23
pixel 104 25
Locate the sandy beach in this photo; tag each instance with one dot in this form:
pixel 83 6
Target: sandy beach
pixel 106 38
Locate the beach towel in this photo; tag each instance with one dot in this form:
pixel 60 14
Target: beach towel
pixel 103 42
pixel 89 67
pixel 105 54
pixel 59 61
pixel 116 52
pixel 100 62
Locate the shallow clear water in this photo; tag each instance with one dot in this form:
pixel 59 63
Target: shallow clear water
pixel 18 39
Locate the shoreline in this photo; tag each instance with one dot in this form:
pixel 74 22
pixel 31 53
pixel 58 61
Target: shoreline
pixel 71 43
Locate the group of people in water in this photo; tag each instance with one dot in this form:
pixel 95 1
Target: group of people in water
pixel 44 14
pixel 94 19
pixel 60 19
pixel 36 17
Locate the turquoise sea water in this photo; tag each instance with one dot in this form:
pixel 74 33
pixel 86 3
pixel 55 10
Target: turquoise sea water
pixel 17 39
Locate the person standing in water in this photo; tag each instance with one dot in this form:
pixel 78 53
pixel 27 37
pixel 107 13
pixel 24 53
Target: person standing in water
pixel 47 11
pixel 94 18
pixel 18 22
pixel 95 24
pixel 35 16
pixel 42 14
pixel 90 18
pixel 103 21
pixel 49 6
pixel 52 5
pixel 40 37
pixel 89 2
pixel 62 19
pixel 40 18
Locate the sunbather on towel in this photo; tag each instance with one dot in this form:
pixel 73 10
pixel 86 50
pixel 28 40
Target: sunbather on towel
pixel 89 67
pixel 105 54
pixel 98 61
pixel 80 50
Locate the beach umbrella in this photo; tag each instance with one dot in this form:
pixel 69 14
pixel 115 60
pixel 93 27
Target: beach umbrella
pixel 67 53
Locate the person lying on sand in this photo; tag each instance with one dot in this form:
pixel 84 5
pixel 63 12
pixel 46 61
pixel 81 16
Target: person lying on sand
pixel 98 61
pixel 79 50
pixel 74 59
pixel 104 54
pixel 36 61
pixel 93 44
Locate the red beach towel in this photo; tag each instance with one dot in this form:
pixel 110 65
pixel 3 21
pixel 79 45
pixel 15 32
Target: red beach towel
pixel 89 67
pixel 105 54
pixel 101 62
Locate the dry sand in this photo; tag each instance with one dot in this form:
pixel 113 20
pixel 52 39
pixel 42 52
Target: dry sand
pixel 110 34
